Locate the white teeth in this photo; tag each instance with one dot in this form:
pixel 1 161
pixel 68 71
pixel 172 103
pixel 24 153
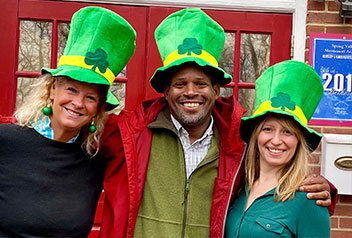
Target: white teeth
pixel 72 113
pixel 191 104
pixel 275 150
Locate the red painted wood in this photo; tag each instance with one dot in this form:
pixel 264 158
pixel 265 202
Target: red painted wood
pixel 156 15
pixel 8 66
pixel 54 44
pixel 27 74
pixel 135 88
pixel 281 38
pixel 236 65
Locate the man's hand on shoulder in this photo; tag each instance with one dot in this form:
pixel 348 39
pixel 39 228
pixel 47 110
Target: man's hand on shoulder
pixel 317 188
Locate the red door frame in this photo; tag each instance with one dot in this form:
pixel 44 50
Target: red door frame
pixel 279 26
pixel 8 60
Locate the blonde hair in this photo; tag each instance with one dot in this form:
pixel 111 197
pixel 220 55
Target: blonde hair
pixel 30 111
pixel 293 172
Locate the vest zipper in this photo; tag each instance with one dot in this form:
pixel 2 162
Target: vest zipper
pixel 233 183
pixel 185 209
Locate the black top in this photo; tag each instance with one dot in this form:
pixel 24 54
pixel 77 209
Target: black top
pixel 47 188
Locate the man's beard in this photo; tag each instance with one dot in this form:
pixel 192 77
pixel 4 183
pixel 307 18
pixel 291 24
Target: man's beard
pixel 187 120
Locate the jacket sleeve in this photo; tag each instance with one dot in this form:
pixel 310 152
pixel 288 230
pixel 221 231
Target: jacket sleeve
pixel 114 218
pixel 7 119
pixel 334 196
pixel 110 141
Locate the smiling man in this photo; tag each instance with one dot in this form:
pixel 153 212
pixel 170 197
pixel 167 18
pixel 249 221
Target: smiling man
pixel 191 96
pixel 177 160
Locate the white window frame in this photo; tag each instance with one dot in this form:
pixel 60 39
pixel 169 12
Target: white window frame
pixel 298 8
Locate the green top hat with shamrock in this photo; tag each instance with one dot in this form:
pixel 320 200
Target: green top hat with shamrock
pixel 290 88
pixel 189 35
pixel 98 47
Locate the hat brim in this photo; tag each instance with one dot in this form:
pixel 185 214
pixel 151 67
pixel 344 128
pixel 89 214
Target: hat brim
pixel 158 80
pixel 248 125
pixel 84 75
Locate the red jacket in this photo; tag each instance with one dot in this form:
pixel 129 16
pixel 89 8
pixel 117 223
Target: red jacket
pixel 128 140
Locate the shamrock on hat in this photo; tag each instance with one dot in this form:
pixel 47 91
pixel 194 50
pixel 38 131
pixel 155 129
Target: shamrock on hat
pixel 290 88
pixel 189 35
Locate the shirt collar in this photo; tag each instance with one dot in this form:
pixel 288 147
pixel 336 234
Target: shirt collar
pixel 181 130
pixel 43 128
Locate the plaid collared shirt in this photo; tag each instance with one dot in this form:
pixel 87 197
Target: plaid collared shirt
pixel 194 153
pixel 43 128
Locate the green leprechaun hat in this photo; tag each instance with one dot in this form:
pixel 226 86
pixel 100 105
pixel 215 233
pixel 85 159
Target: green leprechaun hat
pixel 189 35
pixel 99 45
pixel 289 88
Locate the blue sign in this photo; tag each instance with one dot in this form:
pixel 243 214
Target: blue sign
pixel 332 59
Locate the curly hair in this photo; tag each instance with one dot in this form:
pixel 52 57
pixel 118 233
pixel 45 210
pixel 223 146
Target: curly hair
pixel 29 113
pixel 293 172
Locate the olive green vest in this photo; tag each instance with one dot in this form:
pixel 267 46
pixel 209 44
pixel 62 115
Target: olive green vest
pixel 171 205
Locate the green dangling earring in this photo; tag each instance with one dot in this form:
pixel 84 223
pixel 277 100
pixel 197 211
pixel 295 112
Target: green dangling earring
pixel 92 128
pixel 47 111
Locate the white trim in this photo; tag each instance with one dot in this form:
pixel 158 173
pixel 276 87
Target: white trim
pixel 286 6
pixel 297 7
pixel 299 30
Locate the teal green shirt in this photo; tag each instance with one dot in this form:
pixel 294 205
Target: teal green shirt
pixel 298 217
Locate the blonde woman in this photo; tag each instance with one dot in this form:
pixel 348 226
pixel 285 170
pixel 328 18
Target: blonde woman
pixel 279 142
pixel 42 98
pixel 51 174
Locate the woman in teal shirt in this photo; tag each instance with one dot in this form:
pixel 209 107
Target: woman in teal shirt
pixel 279 141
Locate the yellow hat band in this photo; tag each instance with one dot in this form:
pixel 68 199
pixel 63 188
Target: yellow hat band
pixel 204 55
pixel 79 62
pixel 265 106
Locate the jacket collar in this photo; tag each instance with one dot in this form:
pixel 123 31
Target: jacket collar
pixel 225 118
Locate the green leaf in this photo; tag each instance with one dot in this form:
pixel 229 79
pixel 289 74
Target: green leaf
pixel 190 45
pixel 97 59
pixel 283 100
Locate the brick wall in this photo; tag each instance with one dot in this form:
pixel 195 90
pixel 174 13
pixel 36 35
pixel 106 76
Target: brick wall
pixel 324 17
